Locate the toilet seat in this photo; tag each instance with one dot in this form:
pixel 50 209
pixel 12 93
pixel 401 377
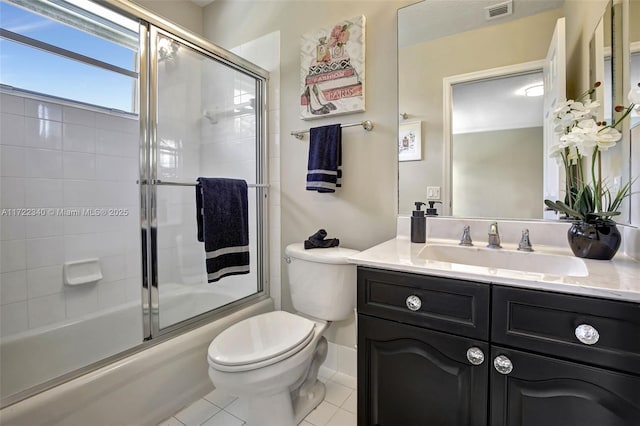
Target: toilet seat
pixel 260 341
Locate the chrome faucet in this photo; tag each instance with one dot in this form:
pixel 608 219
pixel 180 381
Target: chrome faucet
pixel 494 236
pixel 525 243
pixel 466 237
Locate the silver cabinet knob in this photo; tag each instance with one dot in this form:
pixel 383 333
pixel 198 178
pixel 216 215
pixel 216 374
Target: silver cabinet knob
pixel 475 355
pixel 502 364
pixel 414 302
pixel 587 334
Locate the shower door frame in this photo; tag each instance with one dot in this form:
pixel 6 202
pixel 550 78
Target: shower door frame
pixel 149 178
pixel 152 334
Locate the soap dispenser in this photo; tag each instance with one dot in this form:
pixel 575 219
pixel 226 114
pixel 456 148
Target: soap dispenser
pixel 432 211
pixel 418 224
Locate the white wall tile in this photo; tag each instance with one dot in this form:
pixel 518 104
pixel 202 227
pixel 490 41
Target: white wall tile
pixel 126 125
pixel 43 192
pixel 110 142
pixel 13 287
pixel 44 110
pixel 11 192
pixel 11 104
pixel 44 281
pixel 14 318
pixel 45 134
pixel 44 252
pixel 81 193
pixel 112 293
pixel 43 163
pixel 113 268
pixel 12 227
pixel 12 161
pixel 81 300
pixel 12 129
pixel 111 168
pixel 79 165
pixel 78 116
pixel 46 310
pixel 44 226
pixel 78 138
pixel 14 255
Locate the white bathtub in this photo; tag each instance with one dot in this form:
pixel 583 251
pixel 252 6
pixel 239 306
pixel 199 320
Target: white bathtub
pixel 39 355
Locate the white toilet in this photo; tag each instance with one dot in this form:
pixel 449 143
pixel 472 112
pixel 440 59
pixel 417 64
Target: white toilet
pixel 272 359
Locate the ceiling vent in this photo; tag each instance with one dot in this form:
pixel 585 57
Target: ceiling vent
pixel 498 10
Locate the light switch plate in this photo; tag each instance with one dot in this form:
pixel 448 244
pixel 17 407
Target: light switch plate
pixel 433 192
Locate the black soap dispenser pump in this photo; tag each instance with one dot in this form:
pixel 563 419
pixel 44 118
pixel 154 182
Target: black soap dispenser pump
pixel 418 224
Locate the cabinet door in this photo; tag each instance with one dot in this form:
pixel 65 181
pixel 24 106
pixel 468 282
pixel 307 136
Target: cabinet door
pixel 551 392
pixel 412 376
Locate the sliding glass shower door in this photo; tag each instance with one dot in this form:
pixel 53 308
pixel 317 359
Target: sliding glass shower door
pixel 207 123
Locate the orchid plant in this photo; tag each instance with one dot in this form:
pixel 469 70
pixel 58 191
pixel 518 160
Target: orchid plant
pixel 583 137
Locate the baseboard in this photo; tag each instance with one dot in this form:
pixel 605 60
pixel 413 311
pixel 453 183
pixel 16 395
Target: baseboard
pixel 341 359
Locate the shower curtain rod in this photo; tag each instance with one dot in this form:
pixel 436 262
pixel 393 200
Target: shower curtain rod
pixel 163 182
pixel 366 125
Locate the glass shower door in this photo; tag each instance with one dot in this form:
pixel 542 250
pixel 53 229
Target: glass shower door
pixel 207 124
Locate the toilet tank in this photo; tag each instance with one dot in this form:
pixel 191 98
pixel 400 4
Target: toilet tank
pixel 322 282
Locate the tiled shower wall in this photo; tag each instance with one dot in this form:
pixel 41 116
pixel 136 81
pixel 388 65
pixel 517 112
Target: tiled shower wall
pixel 57 156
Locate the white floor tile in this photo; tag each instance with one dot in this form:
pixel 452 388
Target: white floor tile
pixel 322 414
pixel 238 408
pixel 171 422
pixel 343 379
pixel 197 413
pixel 343 418
pixel 223 419
pixel 337 394
pixel 220 398
pixel 305 423
pixel 351 404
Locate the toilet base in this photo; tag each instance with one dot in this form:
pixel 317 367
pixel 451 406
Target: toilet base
pixel 303 405
pixel 278 409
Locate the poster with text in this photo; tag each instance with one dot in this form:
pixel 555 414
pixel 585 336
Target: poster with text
pixel 332 70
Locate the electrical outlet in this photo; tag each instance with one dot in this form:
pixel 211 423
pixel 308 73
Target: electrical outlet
pixel 433 192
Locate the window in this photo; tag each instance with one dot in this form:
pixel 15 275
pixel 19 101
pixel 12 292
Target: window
pixel 75 49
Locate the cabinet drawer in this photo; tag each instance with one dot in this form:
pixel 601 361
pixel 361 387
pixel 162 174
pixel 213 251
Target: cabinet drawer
pixel 454 306
pixel 546 322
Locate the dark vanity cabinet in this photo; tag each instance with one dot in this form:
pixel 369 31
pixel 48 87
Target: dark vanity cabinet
pixel 421 348
pixel 438 352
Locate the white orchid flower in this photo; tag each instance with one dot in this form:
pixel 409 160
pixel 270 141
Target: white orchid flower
pixel 634 95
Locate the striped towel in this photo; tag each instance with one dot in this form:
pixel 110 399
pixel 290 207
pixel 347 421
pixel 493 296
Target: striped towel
pixel 324 169
pixel 223 226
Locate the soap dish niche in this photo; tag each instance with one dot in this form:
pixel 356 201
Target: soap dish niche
pixel 81 272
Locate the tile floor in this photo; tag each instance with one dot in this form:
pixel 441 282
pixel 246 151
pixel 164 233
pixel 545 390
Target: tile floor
pixel 220 409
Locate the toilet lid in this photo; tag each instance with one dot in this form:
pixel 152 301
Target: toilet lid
pixel 259 338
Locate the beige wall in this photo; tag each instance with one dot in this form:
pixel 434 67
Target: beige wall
pixel 582 19
pixel 483 191
pixel 363 212
pixel 423 67
pixel 182 12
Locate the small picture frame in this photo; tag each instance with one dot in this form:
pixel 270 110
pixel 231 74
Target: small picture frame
pixel 410 141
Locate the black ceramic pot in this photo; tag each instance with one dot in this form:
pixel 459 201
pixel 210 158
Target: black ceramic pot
pixel 594 241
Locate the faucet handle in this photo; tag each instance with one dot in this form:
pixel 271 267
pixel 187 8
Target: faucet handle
pixel 466 237
pixel 494 236
pixel 525 243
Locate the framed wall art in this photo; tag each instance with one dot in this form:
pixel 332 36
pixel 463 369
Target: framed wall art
pixel 332 70
pixel 410 141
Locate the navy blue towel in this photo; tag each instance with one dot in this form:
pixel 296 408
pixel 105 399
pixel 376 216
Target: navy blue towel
pixel 324 169
pixel 223 226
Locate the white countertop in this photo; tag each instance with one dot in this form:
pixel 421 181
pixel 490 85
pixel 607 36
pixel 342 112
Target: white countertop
pixel 615 279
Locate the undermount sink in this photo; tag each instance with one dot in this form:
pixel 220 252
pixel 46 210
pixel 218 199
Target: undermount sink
pixel 541 263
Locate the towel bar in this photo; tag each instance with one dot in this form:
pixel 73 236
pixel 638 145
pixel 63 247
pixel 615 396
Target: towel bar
pixel 367 125
pixel 164 182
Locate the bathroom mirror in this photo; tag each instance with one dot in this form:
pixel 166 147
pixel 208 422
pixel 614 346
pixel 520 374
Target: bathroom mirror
pixel 443 39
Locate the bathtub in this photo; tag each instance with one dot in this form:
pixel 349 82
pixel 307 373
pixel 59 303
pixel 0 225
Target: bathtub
pixel 144 388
